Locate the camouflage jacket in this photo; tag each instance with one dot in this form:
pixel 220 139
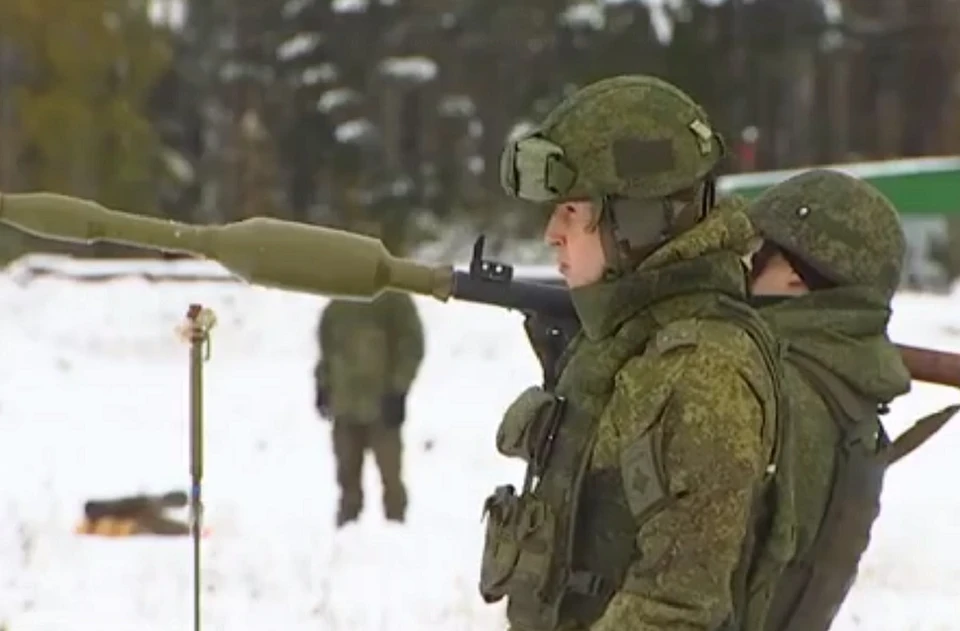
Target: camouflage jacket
pixel 367 350
pixel 840 367
pixel 844 331
pixel 684 405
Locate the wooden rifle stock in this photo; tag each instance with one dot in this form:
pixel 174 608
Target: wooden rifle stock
pixel 926 364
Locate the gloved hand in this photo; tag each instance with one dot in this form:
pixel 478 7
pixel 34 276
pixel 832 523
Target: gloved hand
pixel 394 409
pixel 321 403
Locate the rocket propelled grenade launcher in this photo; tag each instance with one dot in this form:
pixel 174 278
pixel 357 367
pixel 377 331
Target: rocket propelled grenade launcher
pixel 336 263
pixel 286 255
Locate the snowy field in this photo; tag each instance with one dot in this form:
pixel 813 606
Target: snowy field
pixel 93 402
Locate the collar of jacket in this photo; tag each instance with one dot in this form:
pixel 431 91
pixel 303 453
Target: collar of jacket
pixel 843 329
pixel 674 281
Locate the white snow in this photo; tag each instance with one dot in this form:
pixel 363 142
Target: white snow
pixel 519 129
pixel 178 165
pixel 93 402
pixel 299 44
pixel 170 13
pixel 416 68
pixel 457 105
pixel 585 14
pixel 350 6
pixel 354 130
pixel 322 73
pixel 336 97
pixel 832 11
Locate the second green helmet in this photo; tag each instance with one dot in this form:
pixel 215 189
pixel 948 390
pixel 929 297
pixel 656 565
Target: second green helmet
pixel 841 226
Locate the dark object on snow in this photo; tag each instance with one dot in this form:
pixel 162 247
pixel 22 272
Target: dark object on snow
pixel 134 515
pixel 134 505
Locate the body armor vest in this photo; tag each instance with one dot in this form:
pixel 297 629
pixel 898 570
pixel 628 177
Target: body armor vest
pixel 562 547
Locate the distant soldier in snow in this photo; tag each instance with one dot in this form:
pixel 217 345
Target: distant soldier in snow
pixel 369 356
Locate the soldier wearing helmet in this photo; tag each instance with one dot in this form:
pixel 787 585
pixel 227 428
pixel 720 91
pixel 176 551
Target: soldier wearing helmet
pixel 824 277
pixel 370 353
pixel 647 460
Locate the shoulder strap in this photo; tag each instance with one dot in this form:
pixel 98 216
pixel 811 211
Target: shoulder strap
pixel 814 586
pixel 771 538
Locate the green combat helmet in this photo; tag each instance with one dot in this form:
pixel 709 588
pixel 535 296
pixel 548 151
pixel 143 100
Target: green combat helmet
pixel 839 225
pixel 638 147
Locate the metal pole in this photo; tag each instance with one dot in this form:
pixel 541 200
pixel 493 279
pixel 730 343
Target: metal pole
pixel 199 323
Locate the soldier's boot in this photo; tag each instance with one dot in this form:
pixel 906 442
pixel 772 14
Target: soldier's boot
pixel 395 502
pixel 388 452
pixel 351 505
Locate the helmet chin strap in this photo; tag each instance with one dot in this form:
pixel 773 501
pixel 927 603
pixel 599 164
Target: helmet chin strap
pixel 633 229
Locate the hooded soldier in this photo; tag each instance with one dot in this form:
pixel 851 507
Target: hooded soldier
pixel 831 260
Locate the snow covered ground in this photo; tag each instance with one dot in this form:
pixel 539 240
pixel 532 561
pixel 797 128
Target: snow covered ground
pixel 93 402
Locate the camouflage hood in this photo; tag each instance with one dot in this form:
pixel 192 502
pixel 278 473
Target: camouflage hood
pixel 705 259
pixel 844 330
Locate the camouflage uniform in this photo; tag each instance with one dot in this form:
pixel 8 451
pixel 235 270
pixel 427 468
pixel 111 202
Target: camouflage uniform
pixel 648 459
pixel 840 369
pixel 369 356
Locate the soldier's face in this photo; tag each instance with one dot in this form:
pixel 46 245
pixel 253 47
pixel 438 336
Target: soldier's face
pixel 575 239
pixel 777 277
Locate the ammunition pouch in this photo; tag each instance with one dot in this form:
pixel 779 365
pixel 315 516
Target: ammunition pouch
pixel 557 550
pixel 527 423
pixel 518 545
pixel 529 536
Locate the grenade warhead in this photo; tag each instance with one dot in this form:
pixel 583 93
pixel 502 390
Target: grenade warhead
pixel 260 250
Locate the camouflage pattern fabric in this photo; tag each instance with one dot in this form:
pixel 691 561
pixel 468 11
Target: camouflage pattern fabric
pixel 629 136
pixel 367 351
pixel 715 437
pixel 701 399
